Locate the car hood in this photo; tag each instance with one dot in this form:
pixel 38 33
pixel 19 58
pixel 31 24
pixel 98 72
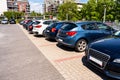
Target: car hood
pixel 110 46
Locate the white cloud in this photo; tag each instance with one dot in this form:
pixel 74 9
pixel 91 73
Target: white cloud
pixel 35 6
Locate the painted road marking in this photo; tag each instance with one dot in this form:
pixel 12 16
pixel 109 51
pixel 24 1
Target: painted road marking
pixel 69 58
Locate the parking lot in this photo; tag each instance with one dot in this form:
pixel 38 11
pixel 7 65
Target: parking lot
pixel 66 61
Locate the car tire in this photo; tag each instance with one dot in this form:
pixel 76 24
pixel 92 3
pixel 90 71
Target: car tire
pixel 43 33
pixel 81 45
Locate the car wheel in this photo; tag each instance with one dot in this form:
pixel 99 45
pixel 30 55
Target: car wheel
pixel 81 45
pixel 43 33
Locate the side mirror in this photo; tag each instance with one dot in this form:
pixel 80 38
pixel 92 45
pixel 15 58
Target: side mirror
pixel 117 34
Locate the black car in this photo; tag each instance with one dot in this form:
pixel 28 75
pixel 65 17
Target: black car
pixel 30 26
pixel 52 30
pixel 12 21
pixel 26 22
pixel 104 55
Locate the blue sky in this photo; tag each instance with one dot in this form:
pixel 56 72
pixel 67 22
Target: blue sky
pixel 36 5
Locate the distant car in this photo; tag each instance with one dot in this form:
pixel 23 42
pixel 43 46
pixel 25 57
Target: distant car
pixel 21 22
pixel 39 29
pixel 4 21
pixel 30 26
pixel 26 22
pixel 79 35
pixel 52 30
pixel 12 21
pixel 104 55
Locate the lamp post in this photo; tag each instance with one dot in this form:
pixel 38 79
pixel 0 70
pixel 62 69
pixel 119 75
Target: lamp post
pixel 104 17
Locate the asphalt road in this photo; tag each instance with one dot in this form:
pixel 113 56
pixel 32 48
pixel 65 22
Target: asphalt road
pixel 20 59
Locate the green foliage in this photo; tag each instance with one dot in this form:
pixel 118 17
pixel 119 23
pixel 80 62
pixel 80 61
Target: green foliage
pixel 12 14
pixel 94 10
pixel 68 11
pixel 33 13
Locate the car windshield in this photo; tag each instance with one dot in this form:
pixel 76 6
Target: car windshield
pixel 37 22
pixel 4 20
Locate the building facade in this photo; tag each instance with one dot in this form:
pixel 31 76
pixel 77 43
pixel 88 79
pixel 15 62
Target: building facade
pixel 52 5
pixel 3 6
pixel 18 5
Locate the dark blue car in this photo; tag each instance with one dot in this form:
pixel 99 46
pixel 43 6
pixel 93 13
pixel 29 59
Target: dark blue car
pixel 104 55
pixel 52 30
pixel 78 35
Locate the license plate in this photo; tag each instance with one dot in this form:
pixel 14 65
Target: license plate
pixel 60 40
pixel 96 60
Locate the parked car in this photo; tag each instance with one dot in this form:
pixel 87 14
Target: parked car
pixel 4 21
pixel 78 35
pixel 40 28
pixel 104 55
pixel 52 30
pixel 12 21
pixel 26 22
pixel 30 26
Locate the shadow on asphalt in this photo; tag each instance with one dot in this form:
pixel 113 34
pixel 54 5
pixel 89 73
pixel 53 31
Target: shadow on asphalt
pixel 51 40
pixel 95 70
pixel 39 36
pixel 65 47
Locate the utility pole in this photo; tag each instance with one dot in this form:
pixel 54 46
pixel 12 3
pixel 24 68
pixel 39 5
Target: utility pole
pixel 104 13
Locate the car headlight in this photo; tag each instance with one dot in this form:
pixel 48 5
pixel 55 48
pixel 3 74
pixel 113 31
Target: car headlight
pixel 116 60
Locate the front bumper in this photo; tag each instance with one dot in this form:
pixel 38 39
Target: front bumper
pixel 113 70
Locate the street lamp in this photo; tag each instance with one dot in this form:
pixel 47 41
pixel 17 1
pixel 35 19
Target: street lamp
pixel 104 13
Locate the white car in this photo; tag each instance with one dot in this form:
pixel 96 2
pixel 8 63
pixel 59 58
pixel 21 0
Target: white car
pixel 38 29
pixel 4 21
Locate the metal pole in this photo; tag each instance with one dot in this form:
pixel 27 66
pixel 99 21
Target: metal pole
pixel 67 17
pixel 104 14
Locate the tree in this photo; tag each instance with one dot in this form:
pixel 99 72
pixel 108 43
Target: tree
pixel 33 13
pixel 68 11
pixel 94 10
pixel 117 9
pixel 13 14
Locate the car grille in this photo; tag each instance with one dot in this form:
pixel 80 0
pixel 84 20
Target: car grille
pixel 104 58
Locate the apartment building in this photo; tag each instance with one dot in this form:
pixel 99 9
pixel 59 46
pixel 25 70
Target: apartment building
pixel 3 6
pixel 18 5
pixel 52 5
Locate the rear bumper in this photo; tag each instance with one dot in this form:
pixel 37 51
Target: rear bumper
pixel 66 41
pixel 50 35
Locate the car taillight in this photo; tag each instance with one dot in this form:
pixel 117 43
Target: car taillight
pixel 72 33
pixel 53 29
pixel 38 26
pixel 30 27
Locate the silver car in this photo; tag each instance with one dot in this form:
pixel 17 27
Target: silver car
pixel 4 21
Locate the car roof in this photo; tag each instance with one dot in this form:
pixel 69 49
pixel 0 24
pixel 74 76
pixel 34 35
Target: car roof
pixel 64 22
pixel 86 22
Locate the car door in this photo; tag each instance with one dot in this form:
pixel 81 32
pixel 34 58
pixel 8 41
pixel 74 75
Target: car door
pixel 92 32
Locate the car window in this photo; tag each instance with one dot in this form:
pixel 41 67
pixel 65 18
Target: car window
pixel 59 25
pixel 90 26
pixel 37 22
pixel 68 26
pixel 53 25
pixel 102 26
pixel 47 22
